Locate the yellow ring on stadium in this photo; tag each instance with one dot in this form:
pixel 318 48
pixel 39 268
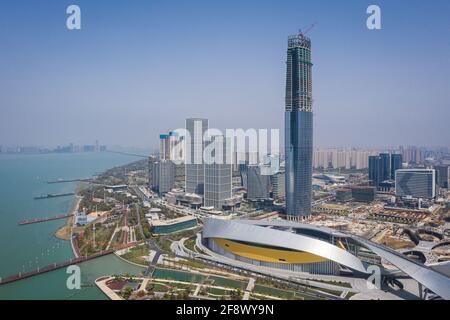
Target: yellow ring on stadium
pixel 267 254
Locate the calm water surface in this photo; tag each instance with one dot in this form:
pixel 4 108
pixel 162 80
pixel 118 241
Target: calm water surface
pixel 24 248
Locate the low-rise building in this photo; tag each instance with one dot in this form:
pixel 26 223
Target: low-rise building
pixel 153 214
pixel 117 188
pixel 83 219
pixel 334 208
pixel 343 195
pixel 363 193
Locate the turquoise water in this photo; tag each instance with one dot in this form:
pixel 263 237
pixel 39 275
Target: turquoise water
pixel 177 275
pixel 24 248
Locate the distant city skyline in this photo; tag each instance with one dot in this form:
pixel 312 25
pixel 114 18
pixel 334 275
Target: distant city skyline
pixel 135 70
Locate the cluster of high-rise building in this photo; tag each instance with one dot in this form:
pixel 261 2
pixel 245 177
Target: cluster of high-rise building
pixel 341 159
pixel 382 167
pixel 211 175
pixel 213 180
pixel 336 158
pixel 209 178
pixel 412 154
pixel 70 148
pixel 386 171
pixel 424 155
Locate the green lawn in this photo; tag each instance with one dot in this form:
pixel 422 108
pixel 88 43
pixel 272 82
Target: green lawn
pixel 136 253
pixel 335 283
pixel 218 292
pixel 190 244
pixel 283 294
pixel 157 287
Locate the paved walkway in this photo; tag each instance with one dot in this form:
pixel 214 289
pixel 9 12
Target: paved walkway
pixel 112 237
pixel 144 284
pixel 197 289
pixel 101 284
pixel 249 289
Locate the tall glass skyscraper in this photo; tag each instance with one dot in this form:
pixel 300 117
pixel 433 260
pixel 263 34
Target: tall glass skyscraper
pixel 375 170
pixel 396 163
pixel 298 127
pixel 195 146
pixel 218 173
pixel 386 166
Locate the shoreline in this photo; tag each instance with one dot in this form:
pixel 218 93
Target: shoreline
pixel 65 232
pixel 130 262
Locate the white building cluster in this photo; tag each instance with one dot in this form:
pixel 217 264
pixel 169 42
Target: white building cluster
pixel 341 158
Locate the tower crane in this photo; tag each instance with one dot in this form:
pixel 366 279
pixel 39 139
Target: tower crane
pixel 308 29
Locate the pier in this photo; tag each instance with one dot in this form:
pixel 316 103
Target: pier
pixel 55 266
pixel 31 221
pixel 54 195
pixel 68 180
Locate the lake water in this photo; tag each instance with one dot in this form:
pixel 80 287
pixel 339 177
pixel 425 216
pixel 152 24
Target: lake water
pixel 24 248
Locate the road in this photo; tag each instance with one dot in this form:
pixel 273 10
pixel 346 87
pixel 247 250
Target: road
pixel 152 247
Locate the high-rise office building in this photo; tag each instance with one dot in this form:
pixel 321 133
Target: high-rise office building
pixel 396 164
pixel 243 170
pixel 380 168
pixel 258 185
pixel 195 145
pixel 151 161
pixel 375 170
pixel 163 176
pixel 417 183
pixel 164 147
pixel 168 146
pixel 218 175
pixel 443 175
pixel 298 127
pixel 278 184
pixel 385 166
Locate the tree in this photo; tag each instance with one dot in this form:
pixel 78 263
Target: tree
pixel 184 295
pixel 140 293
pixel 126 292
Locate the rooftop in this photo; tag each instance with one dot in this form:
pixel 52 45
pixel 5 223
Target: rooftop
pixel 172 221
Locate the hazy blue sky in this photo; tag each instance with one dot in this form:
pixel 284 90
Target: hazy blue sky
pixel 139 68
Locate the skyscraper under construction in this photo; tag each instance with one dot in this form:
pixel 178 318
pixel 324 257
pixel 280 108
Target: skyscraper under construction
pixel 298 127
